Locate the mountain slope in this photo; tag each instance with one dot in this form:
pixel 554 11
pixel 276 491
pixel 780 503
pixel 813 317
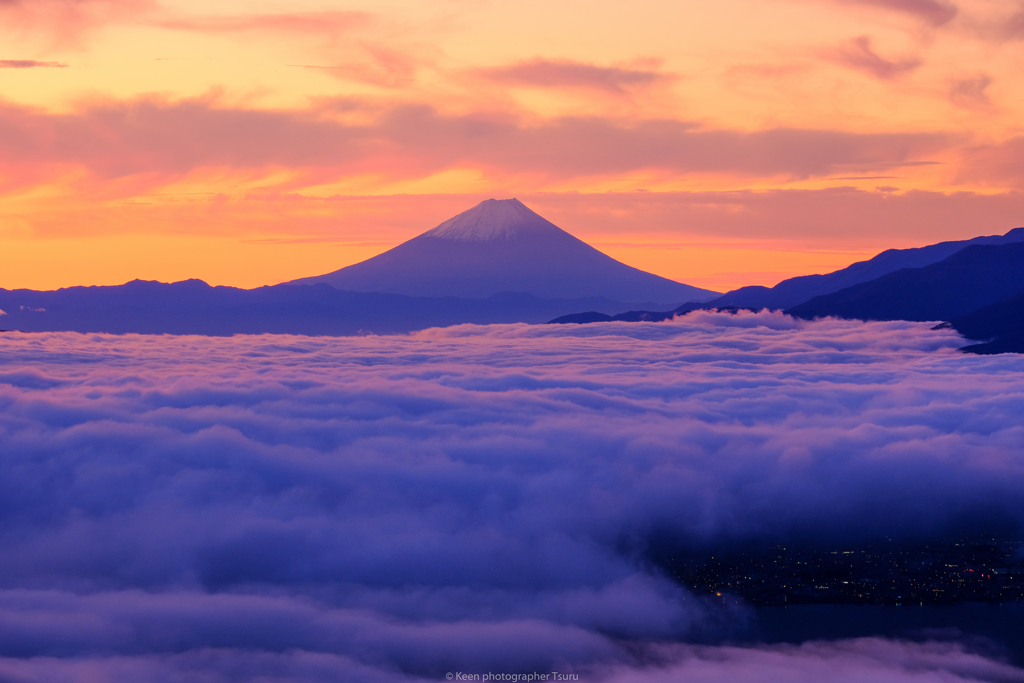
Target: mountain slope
pixel 503 246
pixel 790 293
pixel 974 277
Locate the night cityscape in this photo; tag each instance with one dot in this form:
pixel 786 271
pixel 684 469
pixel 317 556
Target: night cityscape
pixel 984 569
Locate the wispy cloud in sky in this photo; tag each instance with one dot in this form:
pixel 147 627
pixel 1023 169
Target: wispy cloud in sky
pixel 971 92
pixel 543 73
pixel 302 23
pixel 933 12
pixel 30 64
pixel 154 136
pixel 858 54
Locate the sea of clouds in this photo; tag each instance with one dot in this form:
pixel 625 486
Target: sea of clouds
pixel 478 498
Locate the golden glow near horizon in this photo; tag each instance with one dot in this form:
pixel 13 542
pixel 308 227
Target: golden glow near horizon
pixel 719 144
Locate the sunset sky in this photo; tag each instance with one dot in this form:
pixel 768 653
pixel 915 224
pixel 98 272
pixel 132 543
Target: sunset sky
pixel 717 143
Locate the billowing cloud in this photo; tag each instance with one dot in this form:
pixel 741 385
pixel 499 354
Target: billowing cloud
pixel 544 73
pixel 475 498
pixel 858 54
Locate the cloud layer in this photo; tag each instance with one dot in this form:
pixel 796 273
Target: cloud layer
pixel 475 498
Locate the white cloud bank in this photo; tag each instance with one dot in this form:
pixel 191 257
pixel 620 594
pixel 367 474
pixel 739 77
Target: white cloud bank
pixel 475 498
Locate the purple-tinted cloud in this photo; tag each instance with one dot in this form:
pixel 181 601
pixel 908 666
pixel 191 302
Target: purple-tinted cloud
pixel 393 508
pixel 932 12
pixel 30 64
pixel 846 662
pixel 971 92
pixel 544 73
pixel 1013 27
pixel 858 54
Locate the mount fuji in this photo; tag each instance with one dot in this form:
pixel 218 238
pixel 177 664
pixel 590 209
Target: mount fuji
pixel 501 246
pixel 499 262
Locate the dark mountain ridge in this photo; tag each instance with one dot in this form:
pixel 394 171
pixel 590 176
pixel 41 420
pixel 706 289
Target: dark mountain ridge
pixel 972 278
pixel 797 290
pixel 999 327
pixel 194 307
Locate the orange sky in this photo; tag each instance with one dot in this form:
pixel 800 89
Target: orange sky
pixel 719 144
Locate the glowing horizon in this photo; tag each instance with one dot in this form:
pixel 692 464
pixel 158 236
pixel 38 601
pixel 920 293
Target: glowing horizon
pixel 254 143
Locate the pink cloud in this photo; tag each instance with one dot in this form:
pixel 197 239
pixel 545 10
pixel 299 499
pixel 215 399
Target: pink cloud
pixel 824 218
pixel 933 12
pixel 299 22
pixel 161 137
pixel 1013 27
pixel 383 67
pixel 65 22
pixel 858 54
pixel 997 164
pixel 543 73
pixel 971 93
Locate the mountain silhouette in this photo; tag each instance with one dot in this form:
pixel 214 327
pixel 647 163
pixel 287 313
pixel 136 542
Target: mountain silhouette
pixel 194 307
pixel 797 290
pixel 972 278
pixel 500 245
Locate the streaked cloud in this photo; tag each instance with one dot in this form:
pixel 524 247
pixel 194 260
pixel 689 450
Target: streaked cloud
pixel 30 64
pixel 156 136
pixel 297 22
pixel 933 12
pixel 997 163
pixel 544 73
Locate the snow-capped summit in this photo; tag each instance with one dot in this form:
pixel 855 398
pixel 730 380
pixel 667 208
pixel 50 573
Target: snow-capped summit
pixel 498 246
pixel 493 219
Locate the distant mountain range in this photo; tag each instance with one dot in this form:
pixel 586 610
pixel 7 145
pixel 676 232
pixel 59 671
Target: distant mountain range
pixel 500 262
pixel 975 285
pixel 194 307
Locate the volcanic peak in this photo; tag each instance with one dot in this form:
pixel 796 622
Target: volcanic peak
pixel 493 220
